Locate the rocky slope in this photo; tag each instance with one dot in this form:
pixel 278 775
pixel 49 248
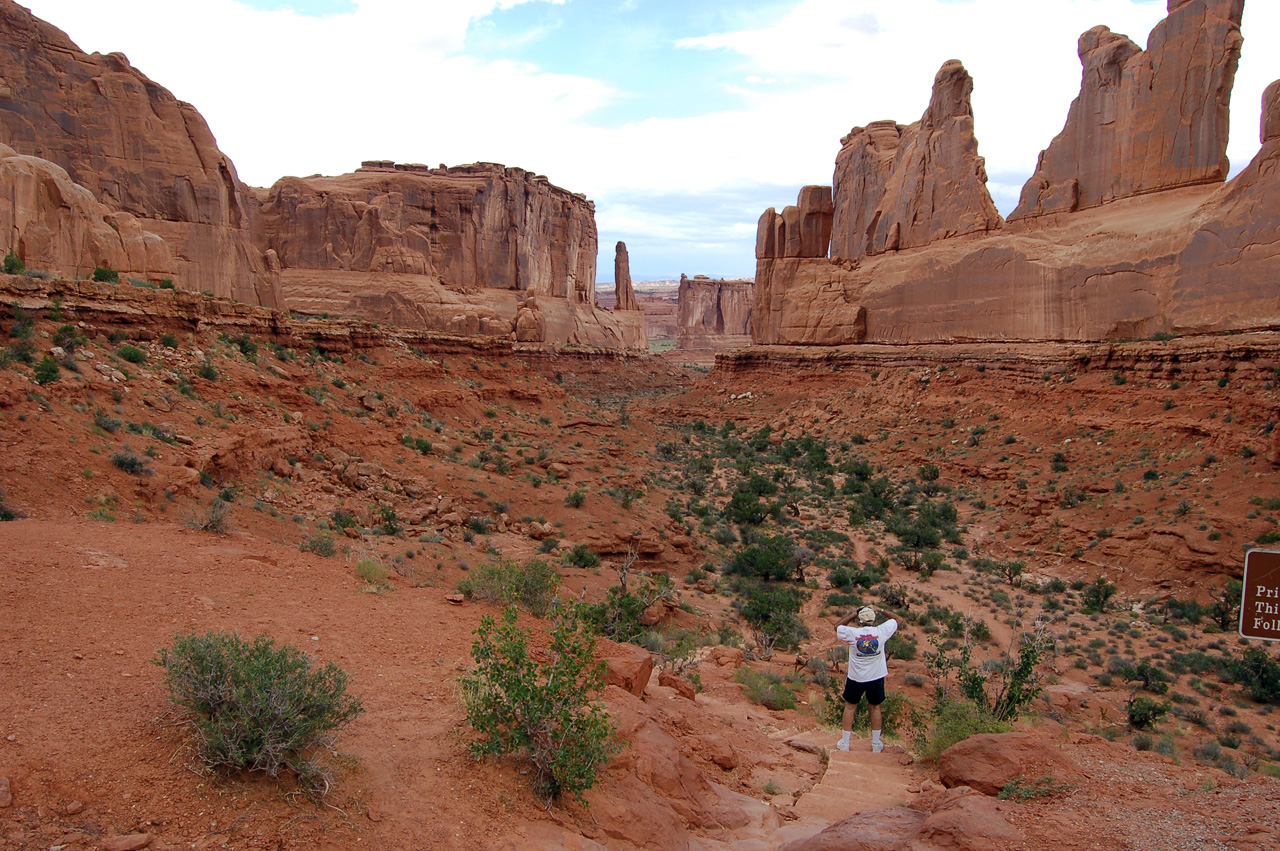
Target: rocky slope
pixel 1150 244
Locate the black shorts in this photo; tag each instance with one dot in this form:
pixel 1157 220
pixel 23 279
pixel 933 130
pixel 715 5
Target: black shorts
pixel 874 690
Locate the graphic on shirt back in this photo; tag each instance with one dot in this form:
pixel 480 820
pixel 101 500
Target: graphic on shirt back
pixel 867 645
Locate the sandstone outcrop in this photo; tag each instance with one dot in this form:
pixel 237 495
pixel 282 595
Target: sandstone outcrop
pixel 56 225
pixel 474 249
pixel 624 295
pixel 714 315
pixel 1145 120
pixel 987 763
pixel 863 166
pixel 135 147
pixel 1191 258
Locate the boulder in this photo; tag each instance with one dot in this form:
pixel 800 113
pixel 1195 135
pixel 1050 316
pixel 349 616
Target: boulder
pixel 531 326
pixel 986 763
pixel 964 820
pixel 674 681
pixel 874 830
pixel 626 666
pixel 719 750
pixel 1145 120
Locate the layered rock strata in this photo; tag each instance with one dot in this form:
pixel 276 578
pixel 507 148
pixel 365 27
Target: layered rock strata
pixel 135 147
pixel 714 315
pixel 479 249
pixel 624 294
pixel 1145 120
pixel 1167 252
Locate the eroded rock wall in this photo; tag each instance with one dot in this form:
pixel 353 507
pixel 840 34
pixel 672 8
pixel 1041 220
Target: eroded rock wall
pixel 135 147
pixel 714 315
pixel 1164 247
pixel 624 294
pixel 1145 120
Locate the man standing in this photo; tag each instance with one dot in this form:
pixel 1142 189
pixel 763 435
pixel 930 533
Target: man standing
pixel 867 669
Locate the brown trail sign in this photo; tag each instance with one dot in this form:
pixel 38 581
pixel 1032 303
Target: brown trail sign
pixel 1260 607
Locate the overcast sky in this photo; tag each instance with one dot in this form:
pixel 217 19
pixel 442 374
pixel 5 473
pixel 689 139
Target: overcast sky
pixel 682 119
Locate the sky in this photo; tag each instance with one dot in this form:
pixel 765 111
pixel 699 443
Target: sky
pixel 682 119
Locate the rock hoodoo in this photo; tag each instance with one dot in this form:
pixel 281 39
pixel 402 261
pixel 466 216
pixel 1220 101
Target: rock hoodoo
pixel 624 295
pixel 135 147
pixel 714 315
pixel 1145 120
pixel 1145 239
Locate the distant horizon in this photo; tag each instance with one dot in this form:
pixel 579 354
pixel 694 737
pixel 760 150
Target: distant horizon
pixel 682 122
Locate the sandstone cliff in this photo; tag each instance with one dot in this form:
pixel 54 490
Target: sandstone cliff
pixel 714 315
pixel 135 147
pixel 473 249
pixel 1145 120
pixel 1170 251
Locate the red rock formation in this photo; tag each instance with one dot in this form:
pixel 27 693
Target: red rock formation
pixel 938 186
pixel 470 226
pixel 863 166
pixel 624 295
pixel 56 225
pixel 134 146
pixel 1188 259
pixel 800 231
pixel 714 315
pixel 987 763
pixel 1144 120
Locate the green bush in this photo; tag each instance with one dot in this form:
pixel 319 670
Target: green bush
pixel 1258 672
pixel 132 354
pixel 258 706
pixel 69 338
pixel 130 463
pixel 544 709
pixel 216 519
pixel 581 556
pixel 1144 713
pixel 319 543
pixel 576 498
pixel 104 275
pixel 532 585
pixel 1097 594
pixel 766 688
pixel 773 557
pixel 954 721
pixel 46 372
pixel 13 264
pixel 371 571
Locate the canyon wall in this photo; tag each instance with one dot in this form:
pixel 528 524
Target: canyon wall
pixel 137 150
pixel 714 315
pixel 1126 230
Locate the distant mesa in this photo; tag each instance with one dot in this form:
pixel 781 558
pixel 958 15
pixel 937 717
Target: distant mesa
pixel 1125 230
pixel 714 315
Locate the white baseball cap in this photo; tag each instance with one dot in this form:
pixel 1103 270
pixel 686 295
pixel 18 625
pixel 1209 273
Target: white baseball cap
pixel 866 615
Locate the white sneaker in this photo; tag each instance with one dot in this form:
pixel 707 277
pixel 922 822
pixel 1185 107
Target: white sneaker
pixel 877 747
pixel 842 745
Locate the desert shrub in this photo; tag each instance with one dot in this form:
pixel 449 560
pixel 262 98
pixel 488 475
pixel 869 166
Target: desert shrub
pixel 532 585
pixel 46 372
pixel 766 688
pixel 576 498
pixel 341 518
pixel 390 520
pixel 1097 594
pixel 1001 687
pixel 544 709
pixel 419 444
pixel 620 615
pixel 258 706
pixel 1144 712
pixel 131 353
pixel 13 264
pixel 207 371
pixel 1021 789
pixel 319 543
pixel 774 615
pixel 130 463
pixel 1258 672
pixel 371 570
pixel 955 720
pixel 746 509
pixel 69 338
pixel 581 556
pixel 104 275
pixel 7 513
pixel 216 519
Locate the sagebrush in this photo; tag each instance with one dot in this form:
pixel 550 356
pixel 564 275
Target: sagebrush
pixel 258 706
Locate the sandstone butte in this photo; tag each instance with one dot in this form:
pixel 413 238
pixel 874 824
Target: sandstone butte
pixel 714 314
pixel 107 168
pixel 1125 230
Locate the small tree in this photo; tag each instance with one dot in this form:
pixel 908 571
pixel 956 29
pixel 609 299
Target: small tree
pixel 1224 608
pixel 543 709
pixel 1097 594
pixel 13 264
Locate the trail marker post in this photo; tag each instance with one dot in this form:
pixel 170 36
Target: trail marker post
pixel 1260 605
